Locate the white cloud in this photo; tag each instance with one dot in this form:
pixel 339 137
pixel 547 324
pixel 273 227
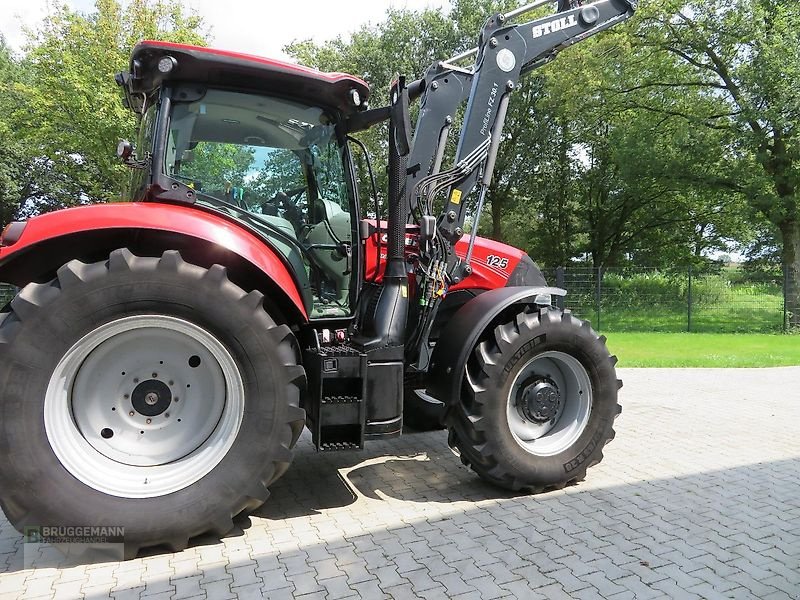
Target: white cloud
pixel 15 15
pixel 255 27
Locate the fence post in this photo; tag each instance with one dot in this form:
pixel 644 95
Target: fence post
pixel 689 313
pixel 560 284
pixel 785 298
pixel 599 293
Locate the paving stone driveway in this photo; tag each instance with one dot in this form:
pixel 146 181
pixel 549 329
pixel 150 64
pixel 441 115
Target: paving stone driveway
pixel 699 496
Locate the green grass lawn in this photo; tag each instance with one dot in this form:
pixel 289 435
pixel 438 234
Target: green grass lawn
pixel 704 350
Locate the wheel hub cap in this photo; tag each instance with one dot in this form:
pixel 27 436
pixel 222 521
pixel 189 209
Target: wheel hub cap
pixel 151 398
pixel 549 403
pixel 540 400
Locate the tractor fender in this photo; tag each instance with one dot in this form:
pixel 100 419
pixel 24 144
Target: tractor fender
pixel 43 243
pixel 459 336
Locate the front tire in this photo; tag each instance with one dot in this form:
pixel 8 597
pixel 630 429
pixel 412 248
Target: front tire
pixel 147 393
pixel 538 402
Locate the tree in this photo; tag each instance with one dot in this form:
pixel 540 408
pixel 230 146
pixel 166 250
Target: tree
pixel 217 165
pixel 62 104
pixel 743 55
pixel 580 172
pixel 11 155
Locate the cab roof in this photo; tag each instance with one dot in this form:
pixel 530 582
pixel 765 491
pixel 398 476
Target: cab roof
pixel 233 70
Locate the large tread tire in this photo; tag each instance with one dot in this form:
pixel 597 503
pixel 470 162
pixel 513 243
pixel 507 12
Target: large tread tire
pixel 45 320
pixel 478 424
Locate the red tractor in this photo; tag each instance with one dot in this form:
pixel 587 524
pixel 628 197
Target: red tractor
pixel 164 355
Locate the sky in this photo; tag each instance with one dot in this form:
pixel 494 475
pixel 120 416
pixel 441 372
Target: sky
pixel 259 27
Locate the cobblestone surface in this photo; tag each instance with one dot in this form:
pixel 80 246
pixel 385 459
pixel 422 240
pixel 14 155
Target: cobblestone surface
pixel 699 496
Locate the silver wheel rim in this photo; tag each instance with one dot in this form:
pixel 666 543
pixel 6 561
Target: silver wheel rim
pixel 144 406
pixel 569 377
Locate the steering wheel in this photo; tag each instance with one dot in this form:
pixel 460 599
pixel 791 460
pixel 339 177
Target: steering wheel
pixel 292 195
pixel 288 200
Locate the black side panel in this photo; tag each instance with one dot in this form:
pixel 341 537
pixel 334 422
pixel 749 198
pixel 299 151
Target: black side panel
pixel 384 399
pixel 460 335
pixel 526 272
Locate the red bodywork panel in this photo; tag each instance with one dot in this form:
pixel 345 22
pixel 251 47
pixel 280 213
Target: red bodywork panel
pixel 492 262
pixel 164 217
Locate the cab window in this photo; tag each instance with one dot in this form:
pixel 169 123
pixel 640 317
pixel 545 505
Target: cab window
pixel 279 165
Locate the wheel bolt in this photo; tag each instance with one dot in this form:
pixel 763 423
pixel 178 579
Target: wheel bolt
pixel 155 375
pixel 149 421
pixel 131 413
pixel 126 396
pixel 166 415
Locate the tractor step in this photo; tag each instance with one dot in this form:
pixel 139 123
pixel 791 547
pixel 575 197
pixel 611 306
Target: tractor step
pixel 354 395
pixel 336 376
pixel 341 423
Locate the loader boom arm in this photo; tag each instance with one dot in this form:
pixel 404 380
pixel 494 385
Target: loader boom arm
pixel 505 53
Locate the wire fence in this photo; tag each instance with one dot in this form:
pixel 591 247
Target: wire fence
pixel 729 300
pixel 726 300
pixel 7 292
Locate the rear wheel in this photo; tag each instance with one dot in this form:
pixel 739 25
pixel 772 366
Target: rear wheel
pixel 147 393
pixel 538 402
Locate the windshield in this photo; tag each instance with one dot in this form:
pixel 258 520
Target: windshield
pixel 278 164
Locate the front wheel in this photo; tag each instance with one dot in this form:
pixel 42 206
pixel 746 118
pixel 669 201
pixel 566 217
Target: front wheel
pixel 146 393
pixel 538 402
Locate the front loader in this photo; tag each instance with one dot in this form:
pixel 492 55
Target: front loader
pixel 164 354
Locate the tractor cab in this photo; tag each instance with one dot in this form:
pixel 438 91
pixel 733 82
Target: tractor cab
pixel 237 135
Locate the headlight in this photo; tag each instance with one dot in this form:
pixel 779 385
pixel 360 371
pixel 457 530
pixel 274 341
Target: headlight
pixel 166 64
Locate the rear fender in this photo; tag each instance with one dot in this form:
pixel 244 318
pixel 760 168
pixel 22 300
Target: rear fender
pixel 459 336
pixel 89 233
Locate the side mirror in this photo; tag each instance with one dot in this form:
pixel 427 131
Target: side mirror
pixel 127 155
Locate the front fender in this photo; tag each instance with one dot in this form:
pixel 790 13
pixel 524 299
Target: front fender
pixel 459 336
pixel 31 256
